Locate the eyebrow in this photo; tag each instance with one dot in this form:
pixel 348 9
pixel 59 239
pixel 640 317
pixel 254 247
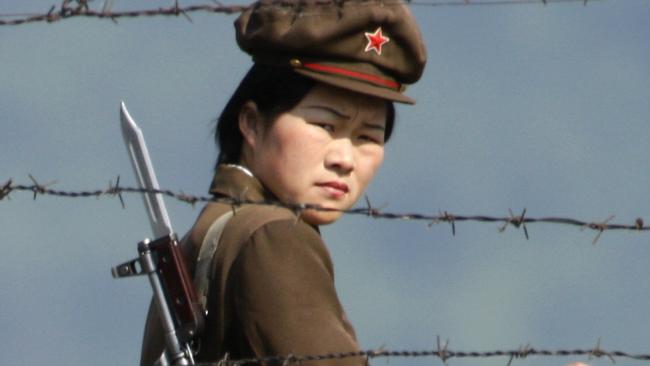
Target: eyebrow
pixel 345 116
pixel 330 110
pixel 374 126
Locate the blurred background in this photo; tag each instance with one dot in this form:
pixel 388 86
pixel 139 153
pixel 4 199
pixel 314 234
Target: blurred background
pixel 543 107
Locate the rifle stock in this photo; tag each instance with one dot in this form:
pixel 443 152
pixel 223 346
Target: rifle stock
pixel 180 293
pixel 181 316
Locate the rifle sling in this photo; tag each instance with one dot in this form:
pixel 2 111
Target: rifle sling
pixel 206 254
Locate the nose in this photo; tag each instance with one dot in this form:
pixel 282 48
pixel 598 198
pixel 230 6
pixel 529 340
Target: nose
pixel 340 156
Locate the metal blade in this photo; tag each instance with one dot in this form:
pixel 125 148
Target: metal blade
pixel 145 175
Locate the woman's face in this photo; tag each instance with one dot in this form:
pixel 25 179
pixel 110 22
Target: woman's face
pixel 324 151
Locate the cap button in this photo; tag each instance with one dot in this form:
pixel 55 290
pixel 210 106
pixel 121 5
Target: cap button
pixel 295 63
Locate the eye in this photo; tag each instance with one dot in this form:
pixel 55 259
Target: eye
pixel 372 139
pixel 326 126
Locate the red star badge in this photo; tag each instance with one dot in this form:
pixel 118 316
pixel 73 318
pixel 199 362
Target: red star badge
pixel 375 41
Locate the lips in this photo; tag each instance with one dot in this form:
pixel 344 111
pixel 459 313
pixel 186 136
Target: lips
pixel 337 189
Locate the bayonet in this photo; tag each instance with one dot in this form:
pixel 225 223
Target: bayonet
pixel 161 260
pixel 144 173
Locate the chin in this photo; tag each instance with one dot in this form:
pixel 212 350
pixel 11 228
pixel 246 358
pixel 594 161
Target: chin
pixel 318 218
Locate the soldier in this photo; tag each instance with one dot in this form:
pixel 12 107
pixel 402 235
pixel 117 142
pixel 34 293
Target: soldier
pixel 307 124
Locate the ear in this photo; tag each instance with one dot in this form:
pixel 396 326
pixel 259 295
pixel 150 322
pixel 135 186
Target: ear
pixel 250 123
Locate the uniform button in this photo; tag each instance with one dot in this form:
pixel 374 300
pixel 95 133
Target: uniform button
pixel 294 62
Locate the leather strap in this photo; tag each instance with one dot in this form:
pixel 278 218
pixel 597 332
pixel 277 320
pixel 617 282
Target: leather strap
pixel 204 260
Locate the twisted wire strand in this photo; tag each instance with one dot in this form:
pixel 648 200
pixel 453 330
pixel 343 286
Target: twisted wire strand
pixel 82 9
pixel 518 221
pixel 442 353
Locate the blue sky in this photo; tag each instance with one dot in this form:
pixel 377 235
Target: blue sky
pixel 542 107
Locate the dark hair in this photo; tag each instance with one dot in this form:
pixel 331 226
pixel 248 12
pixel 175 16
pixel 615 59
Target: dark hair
pixel 274 90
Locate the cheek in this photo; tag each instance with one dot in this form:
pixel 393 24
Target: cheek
pixel 369 163
pixel 289 155
pixel 278 146
pixel 295 153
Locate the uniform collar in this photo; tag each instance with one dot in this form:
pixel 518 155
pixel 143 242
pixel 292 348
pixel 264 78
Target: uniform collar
pixel 235 182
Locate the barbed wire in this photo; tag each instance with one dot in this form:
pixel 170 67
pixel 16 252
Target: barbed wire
pixel 442 352
pixel 80 8
pixel 517 221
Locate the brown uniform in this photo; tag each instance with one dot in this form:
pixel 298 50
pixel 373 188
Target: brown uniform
pixel 272 291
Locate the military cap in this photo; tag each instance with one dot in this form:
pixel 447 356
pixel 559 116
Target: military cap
pixel 372 47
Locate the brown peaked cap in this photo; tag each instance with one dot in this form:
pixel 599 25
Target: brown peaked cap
pixel 368 46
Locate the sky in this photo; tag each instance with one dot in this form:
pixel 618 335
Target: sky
pixel 520 106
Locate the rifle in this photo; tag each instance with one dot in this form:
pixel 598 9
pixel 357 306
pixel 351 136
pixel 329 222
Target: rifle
pixel 161 259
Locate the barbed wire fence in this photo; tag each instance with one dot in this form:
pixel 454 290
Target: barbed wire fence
pixel 69 9
pixel 442 350
pixel 517 221
pixel 81 9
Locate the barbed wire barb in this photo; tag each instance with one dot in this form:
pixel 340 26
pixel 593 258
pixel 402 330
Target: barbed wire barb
pixel 236 201
pixel 182 11
pixel 442 350
pixel 115 190
pixel 5 190
pixel 598 352
pixel 521 221
pixel 373 353
pixel 39 188
pixel 106 10
pixel 49 17
pixel 106 6
pixel 522 353
pixel 450 218
pixel 516 221
pixel 602 226
pixel 188 199
pixel 371 210
pixel 505 224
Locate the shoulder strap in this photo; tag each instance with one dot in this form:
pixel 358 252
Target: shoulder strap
pixel 245 220
pixel 206 253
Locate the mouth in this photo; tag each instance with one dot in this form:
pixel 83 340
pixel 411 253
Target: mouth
pixel 334 189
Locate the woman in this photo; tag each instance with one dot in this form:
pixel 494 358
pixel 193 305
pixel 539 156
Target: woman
pixel 307 124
